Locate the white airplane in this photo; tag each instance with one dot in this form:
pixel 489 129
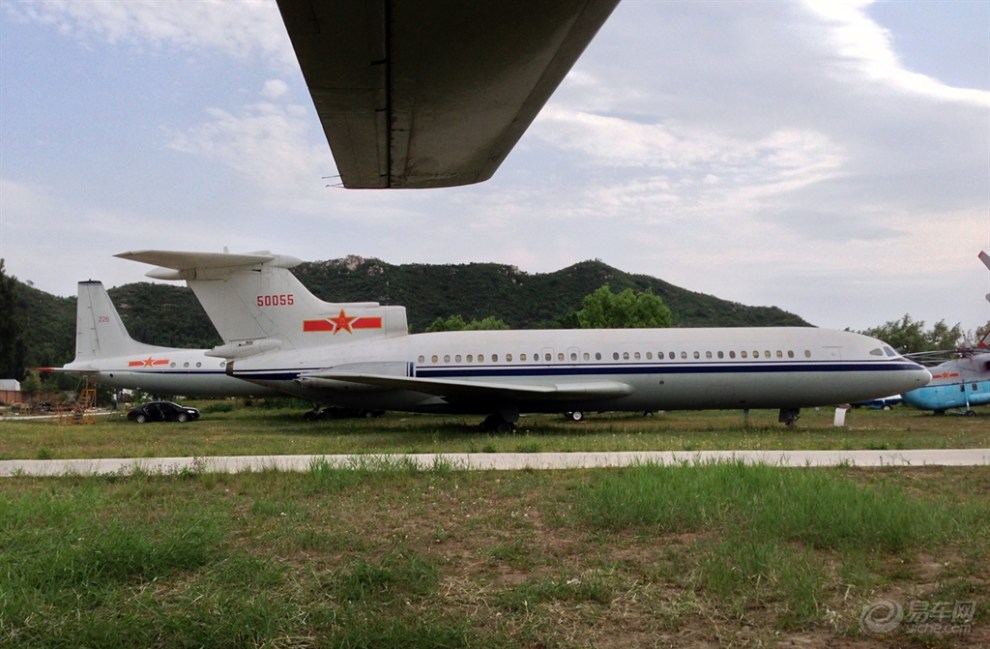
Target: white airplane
pixel 433 93
pixel 360 355
pixel 107 354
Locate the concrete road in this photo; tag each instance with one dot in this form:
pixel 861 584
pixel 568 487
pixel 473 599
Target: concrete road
pixel 495 461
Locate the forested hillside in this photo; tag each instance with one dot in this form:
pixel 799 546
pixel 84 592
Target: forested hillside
pixel 170 315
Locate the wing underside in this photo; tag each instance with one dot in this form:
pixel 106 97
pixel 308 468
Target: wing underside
pixel 433 93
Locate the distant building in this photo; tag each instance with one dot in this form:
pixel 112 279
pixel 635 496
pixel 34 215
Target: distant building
pixel 10 391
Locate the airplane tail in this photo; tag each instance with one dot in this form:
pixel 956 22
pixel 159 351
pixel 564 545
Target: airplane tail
pixel 257 305
pixel 100 333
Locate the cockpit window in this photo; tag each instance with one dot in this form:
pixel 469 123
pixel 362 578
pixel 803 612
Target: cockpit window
pixel 889 352
pixel 876 352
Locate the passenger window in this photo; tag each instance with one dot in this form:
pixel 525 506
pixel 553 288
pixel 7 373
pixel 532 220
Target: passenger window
pixel 598 356
pixel 574 356
pixel 807 353
pixel 421 359
pixel 547 357
pixel 508 358
pixel 780 354
pixel 457 358
pixel 435 358
pixel 732 354
pixel 683 355
pixel 446 358
pixel 708 354
pixel 790 353
pixel 560 357
pixel 721 355
pixel 743 354
pixel 522 357
pixel 636 356
pixel 697 354
pixel 625 356
pixel 587 356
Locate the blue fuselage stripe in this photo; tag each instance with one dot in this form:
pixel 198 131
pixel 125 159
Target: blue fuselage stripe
pixel 503 371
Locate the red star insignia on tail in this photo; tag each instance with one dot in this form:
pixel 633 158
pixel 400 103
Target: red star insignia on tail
pixel 342 323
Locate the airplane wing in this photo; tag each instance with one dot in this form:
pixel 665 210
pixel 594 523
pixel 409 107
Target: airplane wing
pixel 467 390
pixel 433 93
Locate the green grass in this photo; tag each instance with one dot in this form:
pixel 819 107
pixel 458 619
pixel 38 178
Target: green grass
pixel 384 555
pixel 265 431
pixel 380 553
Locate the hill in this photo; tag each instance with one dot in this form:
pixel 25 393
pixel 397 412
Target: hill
pixel 523 300
pixel 170 314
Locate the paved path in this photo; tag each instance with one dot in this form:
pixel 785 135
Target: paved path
pixel 496 461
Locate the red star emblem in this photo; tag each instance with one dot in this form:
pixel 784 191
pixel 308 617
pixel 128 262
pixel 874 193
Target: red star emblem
pixel 342 322
pixel 148 362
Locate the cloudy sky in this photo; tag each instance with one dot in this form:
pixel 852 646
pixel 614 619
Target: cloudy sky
pixel 832 159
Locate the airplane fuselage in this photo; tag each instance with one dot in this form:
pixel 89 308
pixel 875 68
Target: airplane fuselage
pixel 627 369
pixel 186 372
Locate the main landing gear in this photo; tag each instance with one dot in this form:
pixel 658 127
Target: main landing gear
pixel 502 421
pixel 788 416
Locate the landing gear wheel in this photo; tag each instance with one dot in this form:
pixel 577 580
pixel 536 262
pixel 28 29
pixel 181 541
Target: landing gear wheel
pixel 575 415
pixel 495 423
pixel 788 416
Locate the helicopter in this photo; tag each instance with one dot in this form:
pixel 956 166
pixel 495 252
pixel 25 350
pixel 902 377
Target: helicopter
pixel 960 383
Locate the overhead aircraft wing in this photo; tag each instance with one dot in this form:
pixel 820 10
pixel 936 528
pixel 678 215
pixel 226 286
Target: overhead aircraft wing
pixel 433 93
pixel 466 390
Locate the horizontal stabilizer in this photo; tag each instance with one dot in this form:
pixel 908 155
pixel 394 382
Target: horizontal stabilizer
pixel 461 389
pixel 176 265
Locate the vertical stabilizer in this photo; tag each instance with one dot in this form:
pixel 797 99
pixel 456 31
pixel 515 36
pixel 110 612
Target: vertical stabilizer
pixel 253 298
pixel 100 333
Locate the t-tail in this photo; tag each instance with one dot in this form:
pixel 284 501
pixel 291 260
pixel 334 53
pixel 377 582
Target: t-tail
pixel 258 305
pixel 100 333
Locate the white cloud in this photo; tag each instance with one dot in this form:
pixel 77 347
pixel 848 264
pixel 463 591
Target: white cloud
pixel 242 29
pixel 867 47
pixel 274 88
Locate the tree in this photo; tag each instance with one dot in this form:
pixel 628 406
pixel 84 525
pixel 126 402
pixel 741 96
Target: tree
pixel 604 309
pixel 11 343
pixel 457 323
pixel 909 337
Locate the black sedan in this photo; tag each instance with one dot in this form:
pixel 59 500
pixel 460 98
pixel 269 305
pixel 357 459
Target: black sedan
pixel 162 411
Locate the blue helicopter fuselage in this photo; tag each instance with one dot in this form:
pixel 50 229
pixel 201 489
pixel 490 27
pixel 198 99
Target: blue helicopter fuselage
pixel 960 383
